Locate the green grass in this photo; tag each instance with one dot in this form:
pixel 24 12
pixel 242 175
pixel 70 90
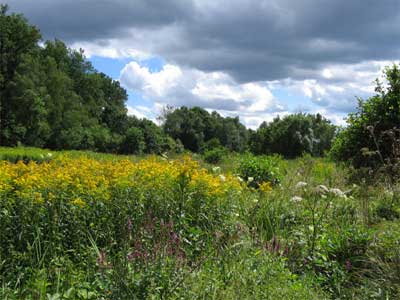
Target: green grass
pixel 25 154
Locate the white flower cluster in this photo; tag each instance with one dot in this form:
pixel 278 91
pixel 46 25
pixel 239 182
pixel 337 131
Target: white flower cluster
pixel 296 199
pixel 216 169
pixel 321 189
pixel 301 184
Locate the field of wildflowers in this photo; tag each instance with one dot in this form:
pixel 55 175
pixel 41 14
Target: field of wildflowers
pixel 78 225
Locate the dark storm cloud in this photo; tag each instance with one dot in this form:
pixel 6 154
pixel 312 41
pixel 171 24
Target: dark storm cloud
pixel 251 40
pixel 85 20
pixel 258 40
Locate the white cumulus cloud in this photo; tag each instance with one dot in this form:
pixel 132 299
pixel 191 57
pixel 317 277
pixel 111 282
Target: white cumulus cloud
pixel 178 86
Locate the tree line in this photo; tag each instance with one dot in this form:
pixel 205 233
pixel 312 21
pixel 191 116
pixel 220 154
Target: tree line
pixel 51 96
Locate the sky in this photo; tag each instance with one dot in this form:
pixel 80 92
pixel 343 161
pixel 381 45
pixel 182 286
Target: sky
pixel 255 59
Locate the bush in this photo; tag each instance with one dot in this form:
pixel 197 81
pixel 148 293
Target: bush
pixel 258 169
pixel 387 211
pixel 214 156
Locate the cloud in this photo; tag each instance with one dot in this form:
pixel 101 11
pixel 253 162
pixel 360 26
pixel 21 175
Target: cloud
pixel 251 40
pixel 337 88
pixel 89 20
pixel 110 50
pixel 333 92
pixel 178 86
pixel 140 112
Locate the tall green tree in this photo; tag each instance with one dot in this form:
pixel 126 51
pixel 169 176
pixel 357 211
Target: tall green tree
pixel 293 135
pixel 51 96
pixel 365 127
pixel 17 39
pixel 194 127
pixel 29 110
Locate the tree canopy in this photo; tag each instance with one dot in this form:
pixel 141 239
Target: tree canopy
pixel 293 135
pixel 366 127
pixel 52 97
pixel 197 129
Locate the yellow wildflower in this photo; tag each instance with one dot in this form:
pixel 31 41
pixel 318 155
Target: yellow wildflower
pixel 78 202
pixel 265 186
pixel 38 198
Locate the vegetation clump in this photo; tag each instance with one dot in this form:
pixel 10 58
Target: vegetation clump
pixel 215 156
pixel 256 170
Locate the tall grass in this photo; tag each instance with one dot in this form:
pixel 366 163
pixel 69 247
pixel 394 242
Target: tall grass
pixel 91 226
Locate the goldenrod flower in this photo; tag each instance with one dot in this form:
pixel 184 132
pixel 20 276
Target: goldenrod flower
pixel 265 186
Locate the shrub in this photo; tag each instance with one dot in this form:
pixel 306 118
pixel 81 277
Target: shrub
pixel 212 144
pixel 258 169
pixel 215 155
pixel 387 211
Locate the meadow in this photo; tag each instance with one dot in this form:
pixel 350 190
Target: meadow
pixel 85 225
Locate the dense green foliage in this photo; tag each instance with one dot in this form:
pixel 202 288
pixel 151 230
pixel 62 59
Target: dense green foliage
pixel 52 97
pixel 290 136
pixel 293 135
pixel 215 155
pixel 364 142
pixel 256 170
pixel 198 129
